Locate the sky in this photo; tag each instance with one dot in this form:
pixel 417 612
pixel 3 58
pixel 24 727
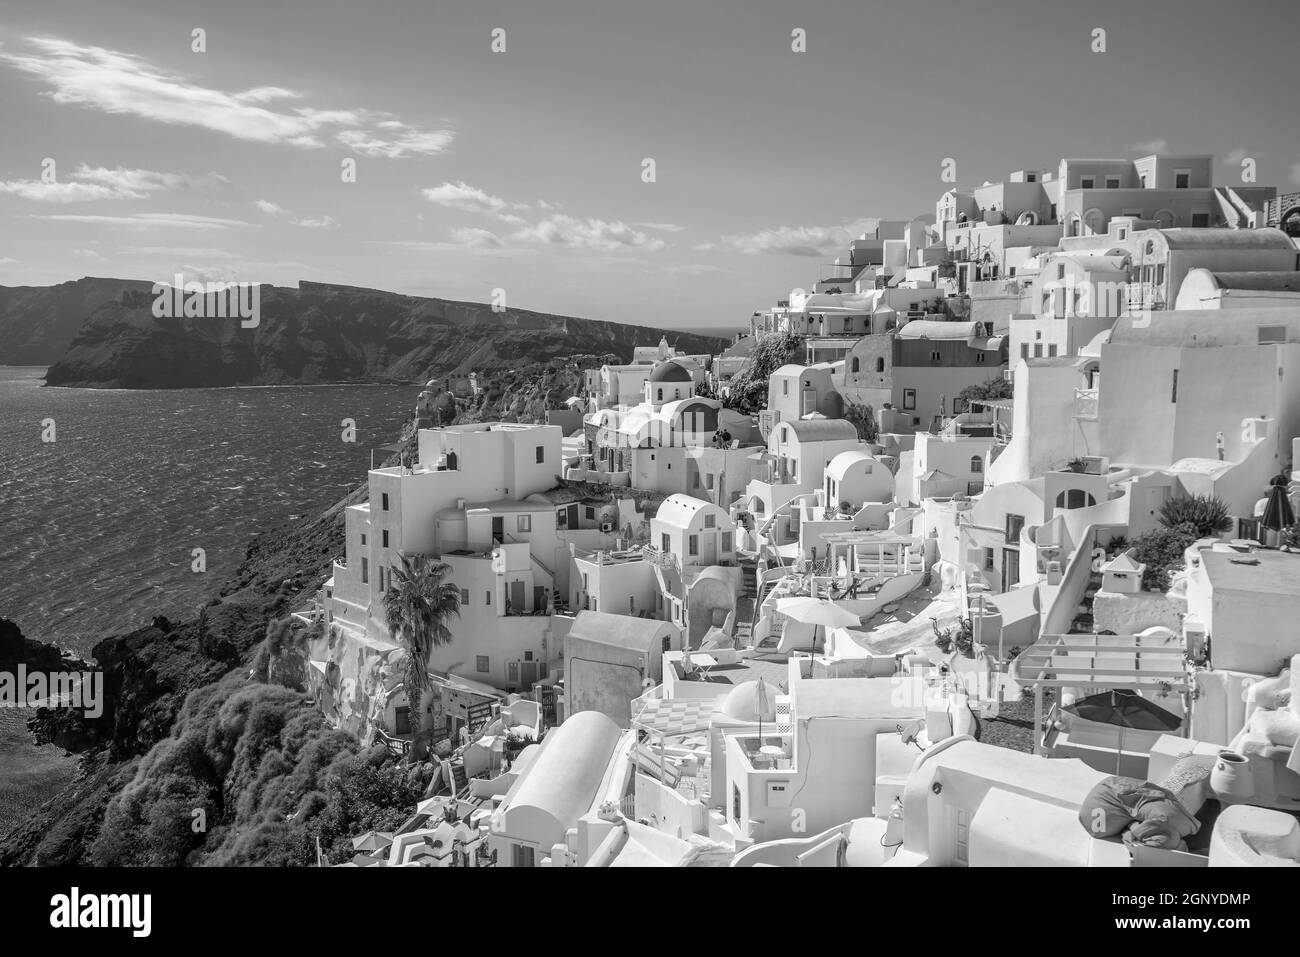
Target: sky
pixel 525 170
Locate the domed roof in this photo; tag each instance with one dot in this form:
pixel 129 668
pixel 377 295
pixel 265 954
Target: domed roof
pixel 742 702
pixel 670 372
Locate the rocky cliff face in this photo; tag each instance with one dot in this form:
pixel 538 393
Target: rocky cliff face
pixel 325 333
pixel 38 322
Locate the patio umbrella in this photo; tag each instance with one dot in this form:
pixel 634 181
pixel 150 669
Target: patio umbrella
pixel 1124 709
pixel 1278 513
pixel 816 612
pixel 761 704
pixel 372 841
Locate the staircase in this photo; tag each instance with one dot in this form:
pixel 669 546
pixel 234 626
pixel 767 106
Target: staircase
pixel 747 603
pixel 1083 621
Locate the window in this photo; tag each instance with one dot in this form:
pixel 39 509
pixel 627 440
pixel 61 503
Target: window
pixel 384 533
pixel 710 521
pixel 726 541
pixel 976 464
pixel 383 501
pixel 1024 350
pixel 1086 182
pixel 1267 335
pixel 1182 178
pixel 521 855
pixel 988 558
pixel 660 395
pixel 541 453
pixel 481 664
pixel 1031 177
pixel 979 357
pixel 1200 220
pixel 1075 498
pixel 591 513
pixel 464 596
pixel 880 364
pixel 363 538
pixel 693 545
pixel 785 386
pixel 1112 182
pixel 402 720
pixel 1014 524
pixel 935 355
pixel 365 571
pixel 524 523
pixel 1051 350
pixel 512 671
pixel 857 365
pixel 487 597
pixel 909 399
pixel 1173 391
pixel 667 545
pixel 708 481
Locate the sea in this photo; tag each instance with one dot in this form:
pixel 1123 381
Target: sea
pixel 105 494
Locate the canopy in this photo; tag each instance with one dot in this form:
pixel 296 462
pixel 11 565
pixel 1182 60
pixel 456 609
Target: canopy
pixel 816 611
pixel 1125 709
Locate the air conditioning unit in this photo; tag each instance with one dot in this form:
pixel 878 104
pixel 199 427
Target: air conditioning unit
pixel 606 526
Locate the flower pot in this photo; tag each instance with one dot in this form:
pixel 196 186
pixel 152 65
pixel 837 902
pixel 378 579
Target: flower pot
pixel 1232 779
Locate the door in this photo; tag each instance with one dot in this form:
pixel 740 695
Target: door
pixel 527 674
pixel 1010 568
pixel 539 598
pixel 498 529
pixel 709 548
pixel 517 597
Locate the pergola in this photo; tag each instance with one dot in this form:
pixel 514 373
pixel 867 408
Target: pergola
pixel 880 540
pixel 665 718
pixel 1070 661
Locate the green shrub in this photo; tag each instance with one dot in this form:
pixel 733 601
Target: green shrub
pixel 1205 513
pixel 1161 550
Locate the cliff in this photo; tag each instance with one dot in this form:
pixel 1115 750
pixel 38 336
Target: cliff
pixel 326 333
pixel 38 322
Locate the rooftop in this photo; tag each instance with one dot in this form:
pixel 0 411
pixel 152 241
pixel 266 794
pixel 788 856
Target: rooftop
pixel 1261 571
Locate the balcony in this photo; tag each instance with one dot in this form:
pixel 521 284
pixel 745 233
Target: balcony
pixel 1145 296
pixel 1085 404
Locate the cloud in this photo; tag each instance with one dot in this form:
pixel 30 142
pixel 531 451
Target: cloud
pixel 575 233
pixel 791 240
pixel 1150 146
pixel 471 199
pixel 695 269
pixel 270 208
pixel 192 252
pixel 148 220
pixel 1236 156
pixel 318 222
pixel 661 227
pixel 91 183
pixel 121 83
pixel 476 238
pixel 464 197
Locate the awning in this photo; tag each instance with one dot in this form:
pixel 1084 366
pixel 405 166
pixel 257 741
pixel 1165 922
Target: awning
pixel 670 716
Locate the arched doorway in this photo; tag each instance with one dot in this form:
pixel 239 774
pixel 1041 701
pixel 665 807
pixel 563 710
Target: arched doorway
pixel 1290 223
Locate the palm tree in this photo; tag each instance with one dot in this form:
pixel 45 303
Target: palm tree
pixel 417 606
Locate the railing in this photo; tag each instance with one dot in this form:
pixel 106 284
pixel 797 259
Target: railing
pixel 1144 295
pixel 1085 403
